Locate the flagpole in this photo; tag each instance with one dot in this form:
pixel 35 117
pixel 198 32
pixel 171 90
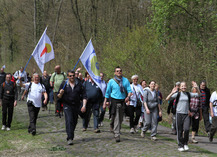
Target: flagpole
pixel 77 62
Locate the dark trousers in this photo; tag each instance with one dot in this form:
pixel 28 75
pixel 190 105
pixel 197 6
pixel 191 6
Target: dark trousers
pixel 7 112
pixel 205 113
pixel 71 119
pixel 131 112
pixel 195 124
pixel 55 100
pixel 213 127
pixel 182 125
pixel 33 115
pixel 102 114
pixel 91 108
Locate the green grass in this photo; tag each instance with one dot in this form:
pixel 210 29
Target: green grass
pixel 18 137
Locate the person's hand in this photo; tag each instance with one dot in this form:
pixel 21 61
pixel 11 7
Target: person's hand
pixel 194 84
pixel 212 115
pixel 78 69
pixel 0 102
pixel 83 109
pixel 174 90
pixel 189 114
pixel 148 111
pixel 15 103
pixel 22 98
pixel 127 99
pixel 160 114
pixel 45 101
pixel 61 92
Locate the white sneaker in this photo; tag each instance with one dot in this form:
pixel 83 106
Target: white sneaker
pixel 142 134
pixel 154 138
pixel 101 124
pixel 8 129
pixel 132 130
pixel 148 131
pixel 3 127
pixel 181 149
pixel 186 147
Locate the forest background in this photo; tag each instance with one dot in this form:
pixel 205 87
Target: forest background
pixel 162 40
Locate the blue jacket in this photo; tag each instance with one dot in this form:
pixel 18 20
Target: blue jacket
pixel 113 89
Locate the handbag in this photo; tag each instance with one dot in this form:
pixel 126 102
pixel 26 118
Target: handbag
pixel 138 102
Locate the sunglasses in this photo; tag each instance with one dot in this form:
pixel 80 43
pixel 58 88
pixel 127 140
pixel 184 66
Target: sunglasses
pixel 71 75
pixel 118 70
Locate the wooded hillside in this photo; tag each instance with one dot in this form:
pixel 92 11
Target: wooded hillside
pixel 164 40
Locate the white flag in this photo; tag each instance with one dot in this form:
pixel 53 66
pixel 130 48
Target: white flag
pixel 89 60
pixel 43 51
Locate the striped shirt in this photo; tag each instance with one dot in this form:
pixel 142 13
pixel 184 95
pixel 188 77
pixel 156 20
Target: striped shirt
pixel 203 97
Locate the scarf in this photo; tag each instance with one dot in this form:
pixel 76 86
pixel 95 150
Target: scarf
pixel 120 83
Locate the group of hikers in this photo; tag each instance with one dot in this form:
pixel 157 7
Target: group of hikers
pixel 77 96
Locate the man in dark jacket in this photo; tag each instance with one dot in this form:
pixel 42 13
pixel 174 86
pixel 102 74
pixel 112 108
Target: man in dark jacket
pixel 94 95
pixel 8 100
pixel 45 80
pixel 70 94
pixel 205 96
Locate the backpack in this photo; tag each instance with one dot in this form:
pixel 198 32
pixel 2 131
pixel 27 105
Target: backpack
pixel 177 100
pixel 3 84
pixel 56 74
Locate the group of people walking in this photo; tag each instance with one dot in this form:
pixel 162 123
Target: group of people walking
pixel 82 96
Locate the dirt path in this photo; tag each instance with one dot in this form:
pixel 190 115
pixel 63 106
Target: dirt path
pixel 51 140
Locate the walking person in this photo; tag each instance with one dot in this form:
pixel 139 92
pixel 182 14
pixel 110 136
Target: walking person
pixel 171 108
pixel 213 113
pixel 70 96
pixel 55 81
pixel 135 104
pixel 196 113
pixel 8 100
pixel 35 90
pixel 45 80
pixel 152 109
pixel 205 97
pixel 183 99
pixel 116 90
pixel 142 118
pixel 94 95
pixel 102 111
pixel 23 77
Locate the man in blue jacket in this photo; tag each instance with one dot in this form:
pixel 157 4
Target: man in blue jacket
pixel 116 90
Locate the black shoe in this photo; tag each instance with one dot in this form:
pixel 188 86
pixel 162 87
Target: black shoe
pixel 70 142
pixel 117 139
pixel 210 138
pixel 33 133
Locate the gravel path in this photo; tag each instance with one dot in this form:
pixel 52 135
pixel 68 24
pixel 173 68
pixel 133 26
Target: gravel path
pixel 51 130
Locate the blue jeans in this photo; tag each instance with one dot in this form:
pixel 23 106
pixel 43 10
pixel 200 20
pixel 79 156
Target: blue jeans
pixel 102 114
pixel 91 107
